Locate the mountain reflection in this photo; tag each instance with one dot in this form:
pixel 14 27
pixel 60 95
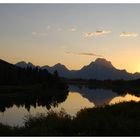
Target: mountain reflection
pixel 98 97
pixel 102 97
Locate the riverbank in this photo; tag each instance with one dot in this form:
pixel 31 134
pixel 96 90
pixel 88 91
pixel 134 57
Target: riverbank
pixel 115 120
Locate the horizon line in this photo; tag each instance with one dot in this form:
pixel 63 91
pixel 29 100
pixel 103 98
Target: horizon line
pixel 66 66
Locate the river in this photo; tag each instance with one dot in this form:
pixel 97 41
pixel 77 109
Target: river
pixel 78 98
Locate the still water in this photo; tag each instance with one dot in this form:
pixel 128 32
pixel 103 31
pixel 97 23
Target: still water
pixel 13 113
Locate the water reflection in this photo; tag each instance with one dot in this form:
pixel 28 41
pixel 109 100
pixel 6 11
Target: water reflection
pixel 15 115
pixel 101 97
pixel 98 96
pixel 29 100
pixel 126 98
pixel 13 109
pixel 74 103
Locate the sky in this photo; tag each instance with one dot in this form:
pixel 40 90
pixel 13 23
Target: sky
pixel 71 34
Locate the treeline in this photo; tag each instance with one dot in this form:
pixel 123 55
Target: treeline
pixel 12 75
pixel 120 82
pixel 95 82
pixel 120 86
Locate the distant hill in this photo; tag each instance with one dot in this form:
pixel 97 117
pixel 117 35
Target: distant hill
pixel 26 73
pixel 62 70
pixel 23 64
pixel 8 72
pixel 100 69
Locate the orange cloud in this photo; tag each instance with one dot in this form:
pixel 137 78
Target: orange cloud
pixel 96 33
pixel 85 54
pixel 128 34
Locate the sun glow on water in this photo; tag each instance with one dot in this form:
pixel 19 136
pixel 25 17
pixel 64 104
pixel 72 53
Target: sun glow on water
pixel 126 98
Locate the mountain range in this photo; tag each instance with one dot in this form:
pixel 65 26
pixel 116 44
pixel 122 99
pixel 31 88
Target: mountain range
pixel 11 74
pixel 100 69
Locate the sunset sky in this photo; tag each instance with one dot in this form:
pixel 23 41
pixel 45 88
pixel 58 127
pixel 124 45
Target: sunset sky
pixel 71 34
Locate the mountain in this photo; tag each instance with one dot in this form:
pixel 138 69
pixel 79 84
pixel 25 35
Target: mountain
pixel 100 69
pixel 23 64
pixel 15 75
pixel 62 70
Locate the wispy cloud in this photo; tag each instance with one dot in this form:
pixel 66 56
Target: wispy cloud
pixel 90 54
pixel 85 54
pixel 100 32
pixel 128 34
pixel 57 28
pixel 88 34
pixel 96 33
pixel 39 33
pixel 73 29
pixel 48 27
pixel 53 28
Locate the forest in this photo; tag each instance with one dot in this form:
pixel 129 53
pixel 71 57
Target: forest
pixel 16 76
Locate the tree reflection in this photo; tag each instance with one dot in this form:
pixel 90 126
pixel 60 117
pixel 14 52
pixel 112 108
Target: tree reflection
pixel 27 100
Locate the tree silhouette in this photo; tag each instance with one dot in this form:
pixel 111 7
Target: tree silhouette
pixel 12 75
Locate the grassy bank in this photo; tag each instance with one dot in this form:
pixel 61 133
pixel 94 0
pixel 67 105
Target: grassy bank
pixel 117 120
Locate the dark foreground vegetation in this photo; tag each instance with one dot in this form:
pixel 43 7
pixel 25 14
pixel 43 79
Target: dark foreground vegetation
pixel 117 120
